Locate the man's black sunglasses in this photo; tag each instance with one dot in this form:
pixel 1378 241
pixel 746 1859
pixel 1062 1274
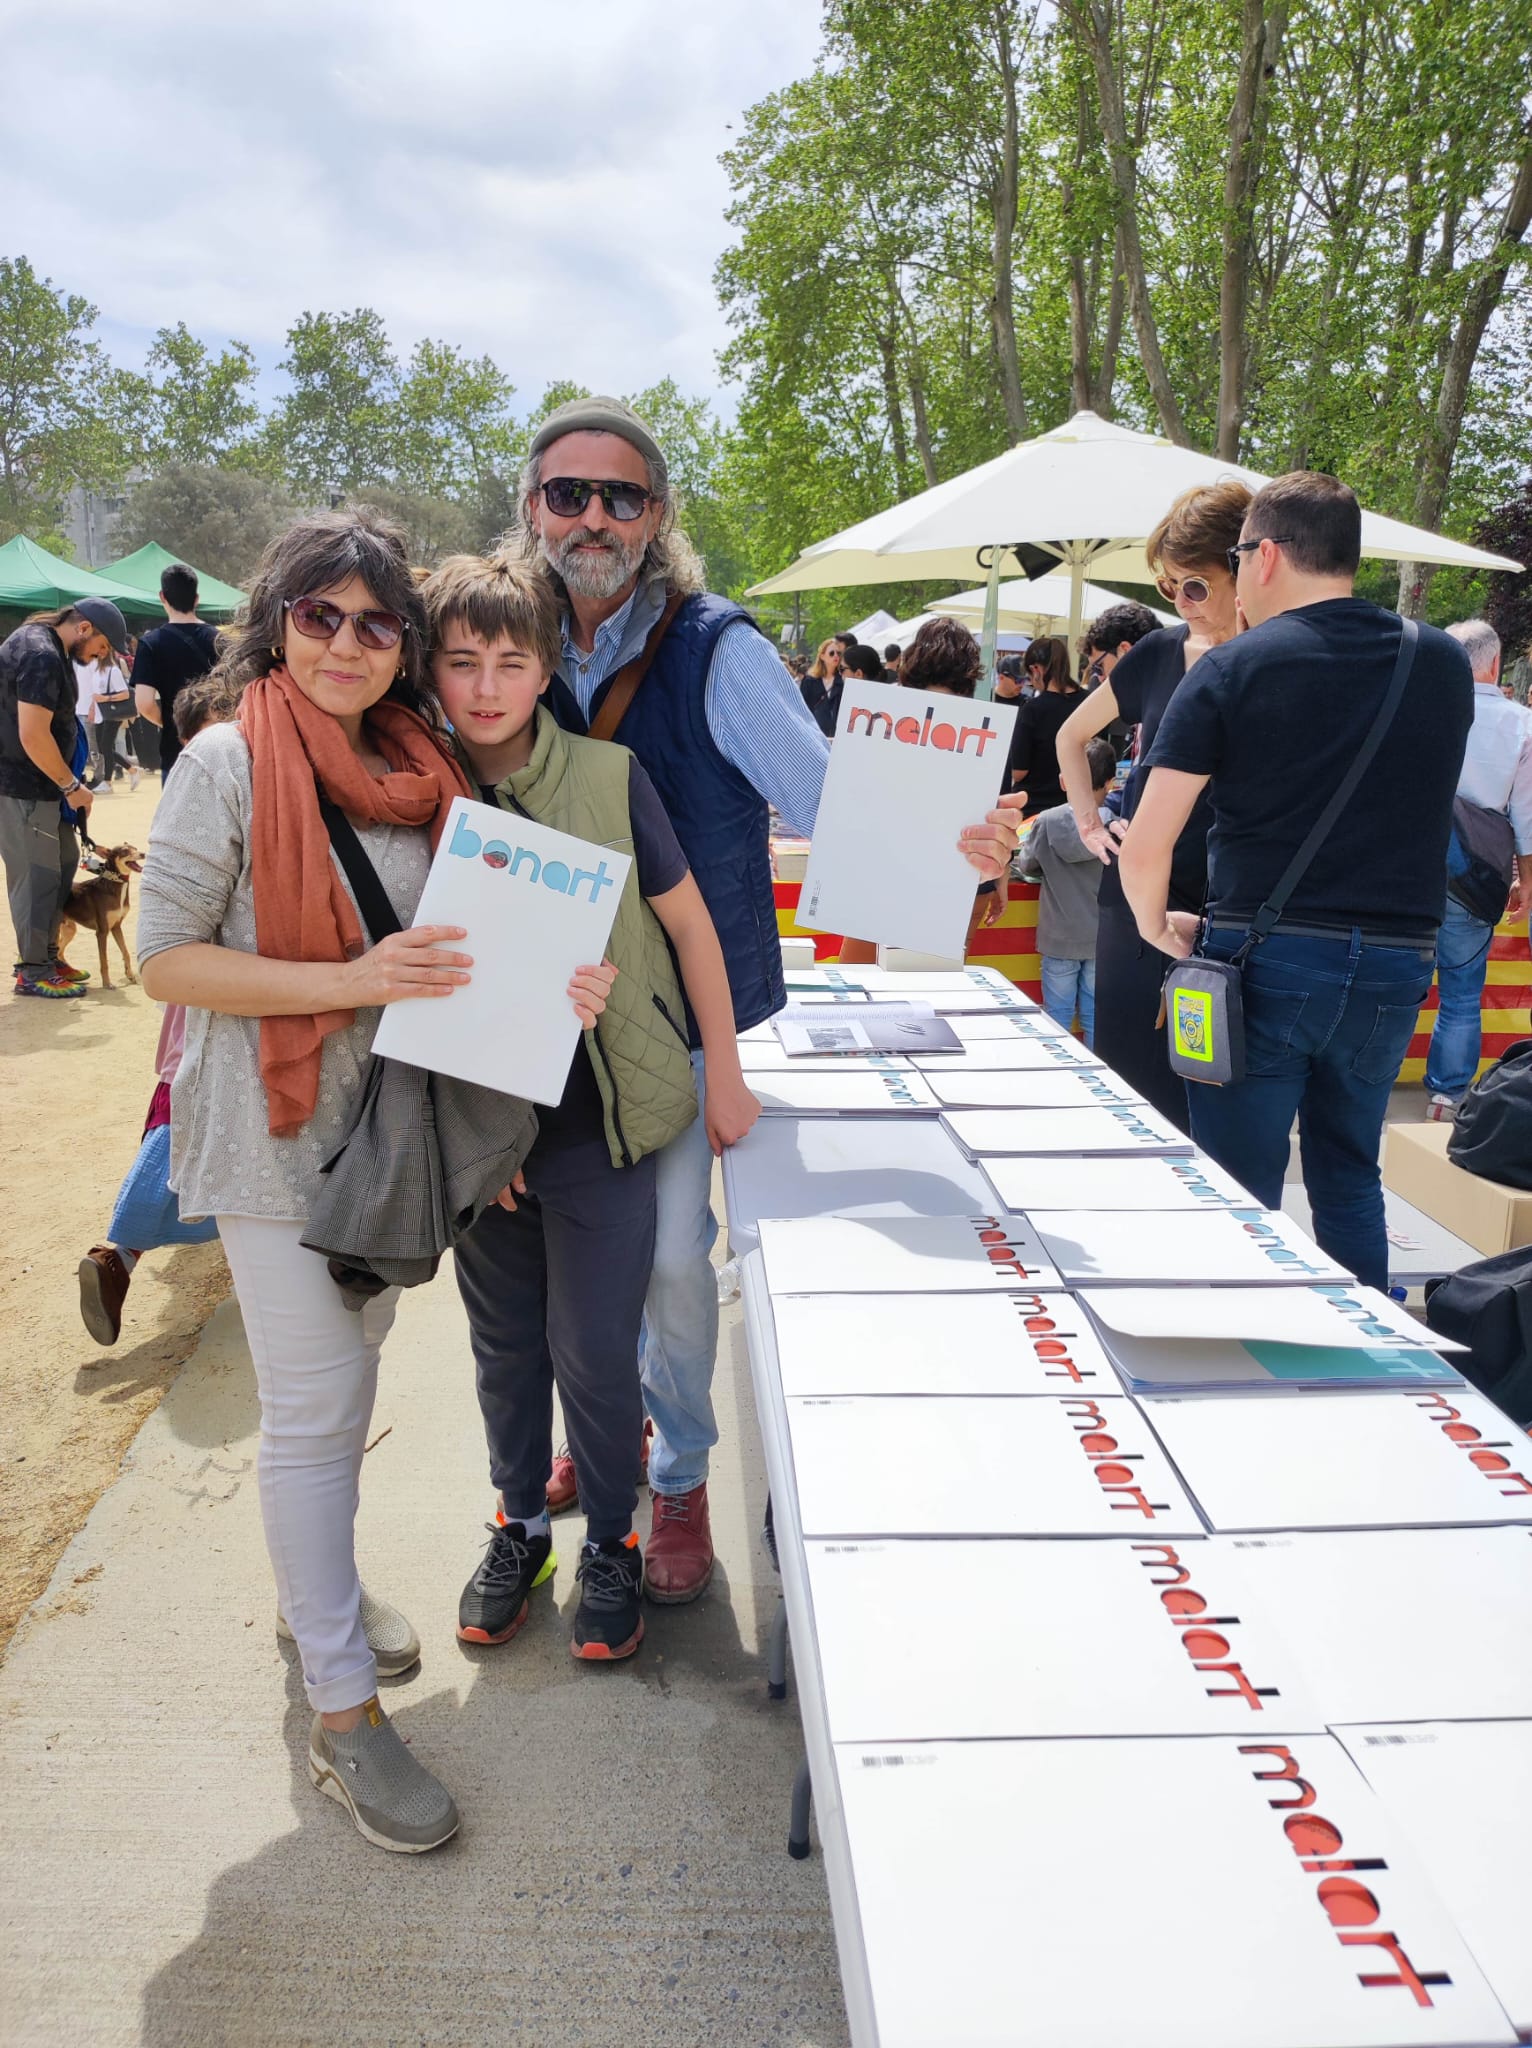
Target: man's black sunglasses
pixel 1248 547
pixel 567 497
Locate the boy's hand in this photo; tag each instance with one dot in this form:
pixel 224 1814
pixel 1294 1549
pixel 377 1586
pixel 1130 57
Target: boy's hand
pixel 507 1196
pixel 995 905
pixel 729 1111
pixel 589 990
pixel 989 846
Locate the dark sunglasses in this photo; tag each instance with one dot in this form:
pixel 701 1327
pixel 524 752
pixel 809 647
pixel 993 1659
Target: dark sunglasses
pixel 1195 589
pixel 317 619
pixel 1248 547
pixel 567 497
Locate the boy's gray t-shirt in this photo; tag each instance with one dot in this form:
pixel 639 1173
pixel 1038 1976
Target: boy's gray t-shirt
pixel 1071 876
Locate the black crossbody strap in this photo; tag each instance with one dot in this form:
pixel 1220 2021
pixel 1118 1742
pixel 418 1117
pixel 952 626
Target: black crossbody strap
pixel 1265 918
pixel 378 913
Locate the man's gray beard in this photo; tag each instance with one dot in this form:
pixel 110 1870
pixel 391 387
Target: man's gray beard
pixel 592 575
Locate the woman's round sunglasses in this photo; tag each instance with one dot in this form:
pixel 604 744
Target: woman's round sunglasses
pixel 1195 589
pixel 317 619
pixel 567 497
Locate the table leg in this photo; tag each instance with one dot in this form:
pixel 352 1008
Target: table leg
pixel 798 1827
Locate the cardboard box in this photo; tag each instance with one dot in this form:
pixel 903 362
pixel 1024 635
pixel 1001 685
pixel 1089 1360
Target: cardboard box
pixel 1486 1213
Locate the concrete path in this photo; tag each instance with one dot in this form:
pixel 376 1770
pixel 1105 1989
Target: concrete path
pixel 169 1876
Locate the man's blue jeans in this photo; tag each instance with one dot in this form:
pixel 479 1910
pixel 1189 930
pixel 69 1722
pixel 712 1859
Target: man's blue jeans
pixel 1327 1025
pixel 1462 961
pixel 680 1335
pixel 1067 985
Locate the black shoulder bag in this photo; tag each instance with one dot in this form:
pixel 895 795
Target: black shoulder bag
pixel 378 914
pixel 1204 1005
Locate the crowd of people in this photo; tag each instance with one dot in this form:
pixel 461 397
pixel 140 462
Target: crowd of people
pixel 584 676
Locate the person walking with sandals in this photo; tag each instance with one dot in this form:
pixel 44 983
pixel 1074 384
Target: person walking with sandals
pixel 246 918
pixel 1329 738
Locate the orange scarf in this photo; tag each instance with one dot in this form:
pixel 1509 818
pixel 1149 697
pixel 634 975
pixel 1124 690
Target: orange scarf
pixel 302 910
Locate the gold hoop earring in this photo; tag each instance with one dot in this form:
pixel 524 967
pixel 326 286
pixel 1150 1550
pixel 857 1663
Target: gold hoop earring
pixel 277 653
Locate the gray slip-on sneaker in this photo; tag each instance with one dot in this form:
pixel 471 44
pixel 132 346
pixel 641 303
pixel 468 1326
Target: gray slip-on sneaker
pixel 393 1800
pixel 393 1643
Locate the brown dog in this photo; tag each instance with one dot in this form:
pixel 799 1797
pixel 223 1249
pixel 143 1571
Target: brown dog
pixel 100 903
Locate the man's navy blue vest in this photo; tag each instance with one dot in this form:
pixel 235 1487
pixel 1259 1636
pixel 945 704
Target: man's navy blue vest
pixel 720 818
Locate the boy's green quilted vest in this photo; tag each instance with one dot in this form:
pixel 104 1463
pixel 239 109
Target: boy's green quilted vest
pixel 638 1048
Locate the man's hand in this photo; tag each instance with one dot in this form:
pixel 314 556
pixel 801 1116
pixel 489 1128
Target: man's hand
pixel 80 799
pixel 1515 903
pixel 989 846
pixel 507 1196
pixel 729 1111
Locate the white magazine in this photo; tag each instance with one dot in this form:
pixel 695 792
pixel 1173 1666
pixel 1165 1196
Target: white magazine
pixel 1023 1343
pixel 1168 1247
pixel 1259 1461
pixel 1322 1315
pixel 907 773
pixel 1027 1088
pixel 1022 1133
pixel 1181 1184
pixel 903 1255
pixel 872 1087
pixel 536 905
pixel 1085 1465
pixel 1461 1795
pixel 1146 1893
pixel 1397 1624
pixel 1169 1614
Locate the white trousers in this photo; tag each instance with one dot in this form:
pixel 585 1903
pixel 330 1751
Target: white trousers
pixel 316 1367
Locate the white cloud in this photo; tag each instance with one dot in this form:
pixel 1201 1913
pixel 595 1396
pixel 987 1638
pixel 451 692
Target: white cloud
pixel 538 182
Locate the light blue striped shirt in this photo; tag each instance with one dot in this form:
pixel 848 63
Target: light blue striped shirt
pixel 1497 763
pixel 759 722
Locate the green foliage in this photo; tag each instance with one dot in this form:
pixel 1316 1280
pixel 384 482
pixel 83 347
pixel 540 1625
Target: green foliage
pixel 198 408
pixel 63 409
pixel 220 519
pixel 336 428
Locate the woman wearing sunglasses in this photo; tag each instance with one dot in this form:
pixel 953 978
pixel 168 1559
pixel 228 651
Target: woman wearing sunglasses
pixel 822 677
pixel 246 919
pixel 1188 551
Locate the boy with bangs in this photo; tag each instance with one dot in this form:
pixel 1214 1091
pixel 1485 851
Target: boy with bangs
pixel 555 1288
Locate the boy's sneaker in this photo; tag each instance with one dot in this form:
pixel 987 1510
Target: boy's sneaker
pixel 494 1604
pixel 51 985
pixel 1443 1109
pixel 394 1644
pixel 394 1801
pixel 610 1621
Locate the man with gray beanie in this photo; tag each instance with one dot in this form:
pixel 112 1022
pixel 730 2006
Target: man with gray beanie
pixel 687 681
pixel 40 788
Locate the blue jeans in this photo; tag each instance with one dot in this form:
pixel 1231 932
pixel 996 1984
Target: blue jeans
pixel 680 1335
pixel 1462 961
pixel 1068 984
pixel 1327 1025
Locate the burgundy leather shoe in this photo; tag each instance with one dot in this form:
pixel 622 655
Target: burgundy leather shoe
pixel 103 1289
pixel 564 1487
pixel 678 1558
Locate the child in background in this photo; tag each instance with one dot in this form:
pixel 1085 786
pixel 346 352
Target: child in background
pixel 554 1288
pixel 146 1214
pixel 1054 854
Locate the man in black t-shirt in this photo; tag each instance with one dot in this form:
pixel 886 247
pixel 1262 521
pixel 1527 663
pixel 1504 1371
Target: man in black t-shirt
pixel 171 656
pixel 40 740
pixel 1268 723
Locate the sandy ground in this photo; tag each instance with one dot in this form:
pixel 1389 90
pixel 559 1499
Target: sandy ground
pixel 75 1082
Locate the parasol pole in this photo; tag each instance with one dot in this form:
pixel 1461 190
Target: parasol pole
pixel 990 629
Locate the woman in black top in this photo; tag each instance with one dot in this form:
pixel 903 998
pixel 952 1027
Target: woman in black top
pixel 1189 549
pixel 1034 763
pixel 822 677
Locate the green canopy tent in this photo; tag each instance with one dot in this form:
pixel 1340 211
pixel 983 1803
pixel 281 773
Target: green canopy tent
pixel 32 580
pixel 216 601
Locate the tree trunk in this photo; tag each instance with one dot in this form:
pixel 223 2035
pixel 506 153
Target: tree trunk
pixel 893 398
pixel 1111 340
pixel 923 447
pixel 1004 194
pixel 1264 28
pixel 1092 23
pixel 1483 297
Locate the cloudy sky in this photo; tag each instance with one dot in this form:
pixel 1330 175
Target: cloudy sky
pixel 536 179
